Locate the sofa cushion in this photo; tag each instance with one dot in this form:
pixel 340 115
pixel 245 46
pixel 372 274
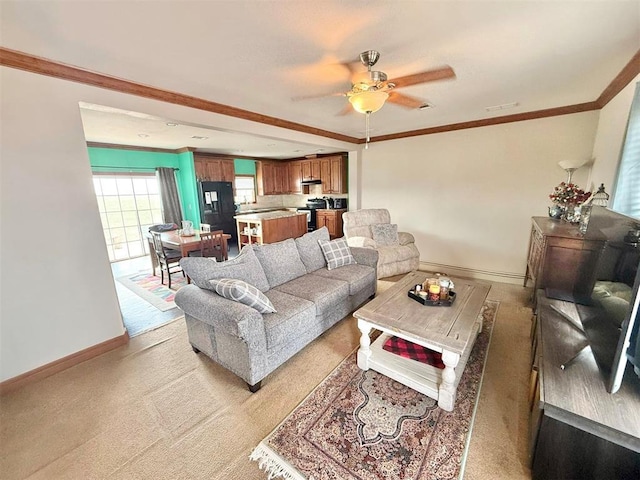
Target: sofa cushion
pixel 310 251
pixel 293 313
pixel 385 234
pixel 245 267
pixel 242 292
pixel 336 253
pixel 325 293
pixel 357 276
pixel 280 261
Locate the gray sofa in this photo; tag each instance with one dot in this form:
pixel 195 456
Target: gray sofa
pixel 293 275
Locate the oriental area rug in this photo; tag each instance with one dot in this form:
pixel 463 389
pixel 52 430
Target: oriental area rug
pixel 149 288
pixel 365 426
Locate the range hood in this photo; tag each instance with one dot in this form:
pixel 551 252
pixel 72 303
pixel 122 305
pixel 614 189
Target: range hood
pixel 317 181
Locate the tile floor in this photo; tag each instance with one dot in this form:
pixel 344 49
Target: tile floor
pixel 138 315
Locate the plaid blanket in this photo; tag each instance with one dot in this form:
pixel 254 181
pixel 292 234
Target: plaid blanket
pixel 406 349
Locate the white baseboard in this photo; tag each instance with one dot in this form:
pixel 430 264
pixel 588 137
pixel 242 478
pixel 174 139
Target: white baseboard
pixel 502 277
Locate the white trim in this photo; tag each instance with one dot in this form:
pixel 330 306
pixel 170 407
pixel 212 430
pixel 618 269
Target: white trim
pixel 501 277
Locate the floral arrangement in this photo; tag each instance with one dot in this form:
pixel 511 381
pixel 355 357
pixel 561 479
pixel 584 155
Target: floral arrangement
pixel 569 194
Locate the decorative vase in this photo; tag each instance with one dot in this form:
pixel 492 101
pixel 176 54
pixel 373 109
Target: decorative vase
pixel 556 211
pixel 571 213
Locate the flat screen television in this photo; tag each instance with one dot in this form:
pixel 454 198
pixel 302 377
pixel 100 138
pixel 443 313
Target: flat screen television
pixel 613 331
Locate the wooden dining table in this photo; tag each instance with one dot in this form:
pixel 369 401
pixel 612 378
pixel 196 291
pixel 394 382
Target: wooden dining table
pixel 184 243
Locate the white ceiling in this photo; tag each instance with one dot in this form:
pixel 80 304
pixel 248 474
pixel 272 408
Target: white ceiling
pixel 260 55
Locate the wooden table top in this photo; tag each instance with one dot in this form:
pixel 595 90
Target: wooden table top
pixel 446 327
pixel 578 394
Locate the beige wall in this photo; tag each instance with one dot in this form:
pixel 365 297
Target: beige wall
pixel 57 295
pixel 468 196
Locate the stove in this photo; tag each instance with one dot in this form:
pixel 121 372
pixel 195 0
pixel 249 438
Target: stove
pixel 313 204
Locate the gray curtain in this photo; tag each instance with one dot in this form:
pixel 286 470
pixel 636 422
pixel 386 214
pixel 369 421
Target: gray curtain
pixel 169 195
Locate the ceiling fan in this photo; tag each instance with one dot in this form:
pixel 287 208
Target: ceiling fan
pixel 371 89
pixel 369 92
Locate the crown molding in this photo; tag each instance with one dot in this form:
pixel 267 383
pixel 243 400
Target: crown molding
pixel 626 75
pixel 485 122
pixel 51 68
pixel 43 66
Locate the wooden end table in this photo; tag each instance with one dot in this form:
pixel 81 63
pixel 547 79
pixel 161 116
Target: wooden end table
pixel 449 330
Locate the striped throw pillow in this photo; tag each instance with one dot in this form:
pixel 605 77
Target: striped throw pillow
pixel 337 253
pixel 242 292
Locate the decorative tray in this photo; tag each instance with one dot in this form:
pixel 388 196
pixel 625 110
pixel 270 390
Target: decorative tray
pixel 187 234
pixel 438 303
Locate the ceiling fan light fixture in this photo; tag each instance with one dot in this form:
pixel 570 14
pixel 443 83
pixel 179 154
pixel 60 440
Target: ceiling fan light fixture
pixel 368 101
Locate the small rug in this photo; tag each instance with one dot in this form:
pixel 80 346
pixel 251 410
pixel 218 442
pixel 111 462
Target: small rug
pixel 149 288
pixel 365 426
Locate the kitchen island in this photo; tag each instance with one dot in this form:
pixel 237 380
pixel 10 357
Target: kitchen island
pixel 270 227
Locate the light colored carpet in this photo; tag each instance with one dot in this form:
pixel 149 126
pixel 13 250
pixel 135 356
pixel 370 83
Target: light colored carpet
pixel 154 409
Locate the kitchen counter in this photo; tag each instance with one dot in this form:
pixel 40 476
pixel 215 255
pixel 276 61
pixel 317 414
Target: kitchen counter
pixel 270 227
pixel 255 217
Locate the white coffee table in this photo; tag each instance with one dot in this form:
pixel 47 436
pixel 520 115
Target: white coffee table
pixel 449 330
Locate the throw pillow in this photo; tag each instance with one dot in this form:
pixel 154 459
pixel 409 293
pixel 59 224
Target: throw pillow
pixel 385 234
pixel 280 261
pixel 336 253
pixel 245 267
pixel 242 292
pixel 310 251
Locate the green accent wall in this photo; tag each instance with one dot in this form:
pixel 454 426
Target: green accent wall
pixel 244 167
pixel 188 188
pixel 140 161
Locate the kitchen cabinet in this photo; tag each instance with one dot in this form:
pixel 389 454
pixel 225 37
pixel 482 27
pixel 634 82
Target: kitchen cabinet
pixel 295 177
pixel 332 219
pixel 333 172
pixel 266 178
pixel 213 169
pixel 272 178
pixel 311 169
pixel 561 258
pixel 270 227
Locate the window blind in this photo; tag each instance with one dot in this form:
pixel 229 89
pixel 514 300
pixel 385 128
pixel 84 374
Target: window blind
pixel 626 195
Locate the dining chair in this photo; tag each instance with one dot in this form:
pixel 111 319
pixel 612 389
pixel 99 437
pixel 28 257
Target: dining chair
pixel 167 259
pixel 212 244
pixel 205 227
pixel 162 227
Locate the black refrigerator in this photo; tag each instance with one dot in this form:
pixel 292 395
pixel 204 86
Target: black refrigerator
pixel 217 207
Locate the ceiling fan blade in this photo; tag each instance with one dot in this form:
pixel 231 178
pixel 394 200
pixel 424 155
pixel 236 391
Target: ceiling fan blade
pixel 441 73
pixel 346 110
pixel 405 100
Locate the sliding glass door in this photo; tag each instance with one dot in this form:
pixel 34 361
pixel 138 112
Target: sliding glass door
pixel 128 205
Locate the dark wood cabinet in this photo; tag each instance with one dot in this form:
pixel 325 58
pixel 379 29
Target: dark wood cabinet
pixel 561 258
pixel 295 177
pixel 311 169
pixel 265 178
pixel 212 169
pixel 332 219
pixel 333 172
pixel 577 428
pixel 286 177
pixel 273 178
